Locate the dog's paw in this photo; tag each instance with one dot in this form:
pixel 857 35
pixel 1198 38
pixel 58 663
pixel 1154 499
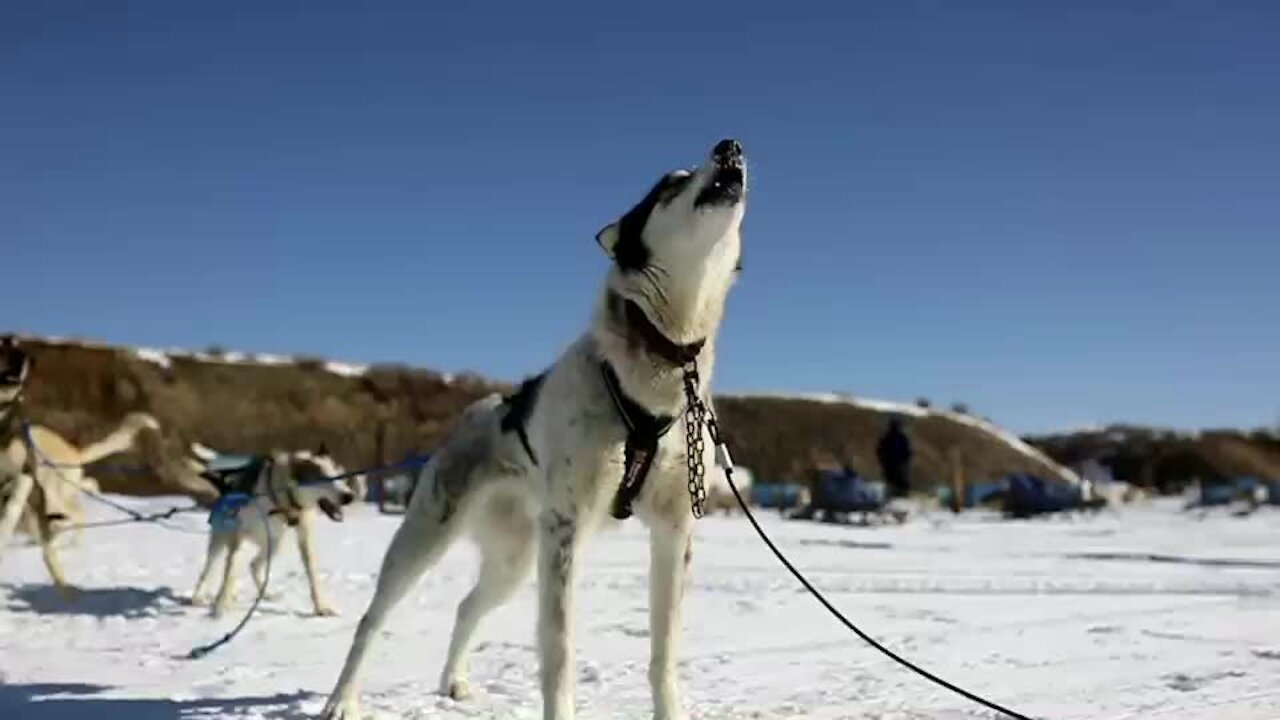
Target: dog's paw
pixel 326 610
pixel 219 609
pixel 337 709
pixel 198 601
pixel 68 593
pixel 457 689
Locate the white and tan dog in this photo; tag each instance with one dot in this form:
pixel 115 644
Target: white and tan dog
pixel 531 476
pixel 287 489
pixel 41 474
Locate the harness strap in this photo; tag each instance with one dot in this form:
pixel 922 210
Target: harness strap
pixel 644 429
pixel 519 407
pixel 294 508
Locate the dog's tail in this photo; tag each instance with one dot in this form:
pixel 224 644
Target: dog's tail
pixel 120 440
pixel 203 453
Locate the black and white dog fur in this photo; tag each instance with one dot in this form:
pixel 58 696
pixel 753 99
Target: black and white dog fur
pixel 287 491
pixel 533 491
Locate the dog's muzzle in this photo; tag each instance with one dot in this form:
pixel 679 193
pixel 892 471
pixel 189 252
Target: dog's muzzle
pixel 728 180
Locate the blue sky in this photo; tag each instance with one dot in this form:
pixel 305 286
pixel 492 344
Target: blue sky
pixel 1058 213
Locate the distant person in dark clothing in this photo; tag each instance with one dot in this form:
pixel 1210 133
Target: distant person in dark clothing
pixel 894 453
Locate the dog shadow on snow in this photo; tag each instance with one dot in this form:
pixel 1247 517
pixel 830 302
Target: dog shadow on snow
pixel 75 701
pixel 128 602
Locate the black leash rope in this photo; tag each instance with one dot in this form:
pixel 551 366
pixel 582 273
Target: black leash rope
pixel 156 517
pixel 226 510
pixel 202 650
pixel 38 458
pixel 159 517
pixel 722 453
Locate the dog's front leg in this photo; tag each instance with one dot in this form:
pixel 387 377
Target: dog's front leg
pixel 318 600
pixel 46 537
pixel 670 552
pixel 20 487
pixel 556 558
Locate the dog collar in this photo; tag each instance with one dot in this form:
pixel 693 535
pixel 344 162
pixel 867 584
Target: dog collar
pixel 654 339
pixel 644 429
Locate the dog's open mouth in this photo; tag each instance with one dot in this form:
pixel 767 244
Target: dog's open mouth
pixel 330 508
pixel 726 184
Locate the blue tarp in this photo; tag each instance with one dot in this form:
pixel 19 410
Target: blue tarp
pixel 1218 493
pixel 975 493
pixel 776 495
pixel 1273 492
pixel 846 491
pixel 1032 495
pixel 1240 488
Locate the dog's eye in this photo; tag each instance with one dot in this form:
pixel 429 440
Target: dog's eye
pixel 673 184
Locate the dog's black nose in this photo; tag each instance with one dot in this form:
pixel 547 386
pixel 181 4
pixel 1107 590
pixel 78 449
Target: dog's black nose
pixel 727 150
pixel 55 517
pixel 347 498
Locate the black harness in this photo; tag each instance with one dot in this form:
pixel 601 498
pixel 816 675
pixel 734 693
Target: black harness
pixel 519 408
pixel 243 480
pixel 644 429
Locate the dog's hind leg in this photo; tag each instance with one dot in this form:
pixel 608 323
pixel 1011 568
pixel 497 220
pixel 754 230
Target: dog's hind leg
pixel 49 552
pixel 421 539
pixel 441 499
pixel 19 490
pixel 506 540
pixel 219 544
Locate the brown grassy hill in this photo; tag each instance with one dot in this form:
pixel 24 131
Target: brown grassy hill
pixel 379 414
pixel 1169 460
pixel 787 436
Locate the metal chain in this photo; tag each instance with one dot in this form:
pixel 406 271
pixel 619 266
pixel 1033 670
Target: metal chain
pixel 695 413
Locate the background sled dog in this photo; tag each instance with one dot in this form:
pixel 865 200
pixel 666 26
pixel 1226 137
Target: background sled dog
pixel 287 489
pixel 532 475
pixel 40 491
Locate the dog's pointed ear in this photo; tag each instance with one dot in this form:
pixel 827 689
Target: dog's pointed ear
pixel 608 238
pixel 323 450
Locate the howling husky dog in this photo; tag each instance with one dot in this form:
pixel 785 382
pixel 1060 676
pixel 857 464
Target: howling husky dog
pixel 287 488
pixel 534 474
pixel 41 473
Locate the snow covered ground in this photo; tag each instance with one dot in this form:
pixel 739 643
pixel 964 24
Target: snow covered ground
pixel 1059 619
